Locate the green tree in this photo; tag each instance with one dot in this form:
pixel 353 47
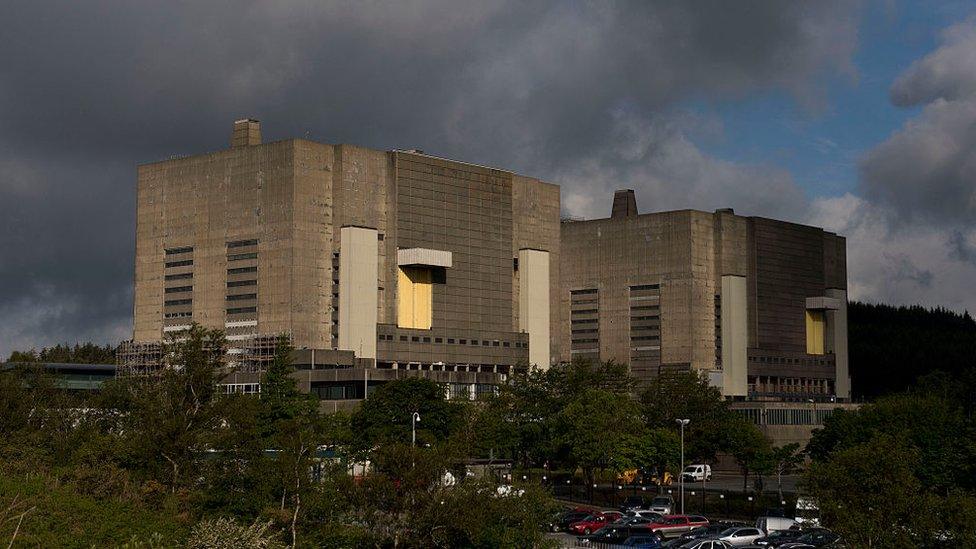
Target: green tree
pixel 596 427
pixel 686 395
pixel 751 449
pixel 786 460
pixel 386 415
pixel 172 418
pixel 870 494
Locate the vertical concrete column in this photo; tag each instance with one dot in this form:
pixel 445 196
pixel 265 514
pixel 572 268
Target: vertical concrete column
pixel 837 342
pixel 534 303
pixel 735 336
pixel 357 290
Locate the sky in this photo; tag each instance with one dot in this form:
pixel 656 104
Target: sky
pixel 859 117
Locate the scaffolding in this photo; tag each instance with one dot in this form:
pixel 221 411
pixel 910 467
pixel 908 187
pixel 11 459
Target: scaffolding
pixel 250 353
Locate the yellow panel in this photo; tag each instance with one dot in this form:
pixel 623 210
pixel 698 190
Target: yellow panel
pixel 414 298
pixel 815 332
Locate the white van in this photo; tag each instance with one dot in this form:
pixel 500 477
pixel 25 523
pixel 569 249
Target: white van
pixel 697 473
pixel 769 525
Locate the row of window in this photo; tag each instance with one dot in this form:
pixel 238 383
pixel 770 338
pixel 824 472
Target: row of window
pixel 241 310
pixel 179 276
pixel 181 250
pixel 241 297
pixel 175 302
pixel 181 263
pixel 239 283
pixel 242 243
pixel 454 341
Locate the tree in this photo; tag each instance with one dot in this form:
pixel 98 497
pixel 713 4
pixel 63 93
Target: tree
pixel 751 449
pixel 870 495
pixel 595 429
pixel 386 415
pixel 786 460
pixel 172 417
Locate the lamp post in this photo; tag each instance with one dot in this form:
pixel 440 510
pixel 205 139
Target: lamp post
pixel 681 474
pixel 414 418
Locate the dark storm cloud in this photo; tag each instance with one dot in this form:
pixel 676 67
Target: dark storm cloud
pixel 581 93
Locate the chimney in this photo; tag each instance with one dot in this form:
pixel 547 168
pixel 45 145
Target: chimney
pixel 247 132
pixel 624 203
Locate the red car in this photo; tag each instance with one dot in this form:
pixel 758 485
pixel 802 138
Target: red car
pixel 672 526
pixel 594 522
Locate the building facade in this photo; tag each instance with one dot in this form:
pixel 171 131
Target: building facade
pixel 758 305
pixel 409 261
pixel 396 263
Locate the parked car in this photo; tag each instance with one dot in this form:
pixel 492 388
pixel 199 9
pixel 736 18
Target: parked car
pixel 672 526
pixel 644 513
pixel 706 544
pixel 642 541
pixel 563 520
pixel 820 537
pixel 663 505
pixel 740 535
pixel 709 531
pixel 773 524
pixel 697 473
pixel 632 503
pixel 593 522
pixel 779 537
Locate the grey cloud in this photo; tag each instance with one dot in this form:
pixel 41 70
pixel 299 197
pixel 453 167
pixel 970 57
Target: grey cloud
pixel 948 73
pixel 960 248
pixel 577 92
pixel 926 172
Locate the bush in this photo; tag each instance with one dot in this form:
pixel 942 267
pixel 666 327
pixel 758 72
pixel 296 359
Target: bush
pixel 225 533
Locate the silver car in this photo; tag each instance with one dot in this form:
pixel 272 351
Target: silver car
pixel 744 535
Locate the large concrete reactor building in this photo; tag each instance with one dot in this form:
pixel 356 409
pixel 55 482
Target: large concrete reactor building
pixel 381 264
pixel 758 305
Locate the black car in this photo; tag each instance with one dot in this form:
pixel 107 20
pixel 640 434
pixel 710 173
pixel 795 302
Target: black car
pixel 564 519
pixel 779 537
pixel 820 537
pixel 632 503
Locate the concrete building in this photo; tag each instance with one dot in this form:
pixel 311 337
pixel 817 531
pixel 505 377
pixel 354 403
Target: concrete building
pixel 758 305
pixel 409 261
pixel 380 264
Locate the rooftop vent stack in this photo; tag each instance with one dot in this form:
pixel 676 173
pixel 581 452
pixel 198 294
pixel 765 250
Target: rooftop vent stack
pixel 624 203
pixel 247 132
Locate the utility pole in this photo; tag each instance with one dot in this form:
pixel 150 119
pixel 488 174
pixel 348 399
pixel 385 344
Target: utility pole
pixel 681 471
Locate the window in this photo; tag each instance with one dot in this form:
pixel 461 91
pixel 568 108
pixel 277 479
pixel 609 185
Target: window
pixel 240 270
pixel 450 340
pixel 179 289
pixel 645 287
pixel 181 276
pixel 426 340
pixel 173 302
pixel 415 339
pixel 584 311
pixel 463 341
pixel 241 297
pixel 438 340
pixel 241 310
pixel 242 243
pixel 182 263
pixel 239 283
pixel 242 257
pixel 505 344
pixel 403 338
pixel 583 292
pixel 182 250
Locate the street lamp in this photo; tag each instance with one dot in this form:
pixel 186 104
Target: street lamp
pixel 681 474
pixel 414 418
